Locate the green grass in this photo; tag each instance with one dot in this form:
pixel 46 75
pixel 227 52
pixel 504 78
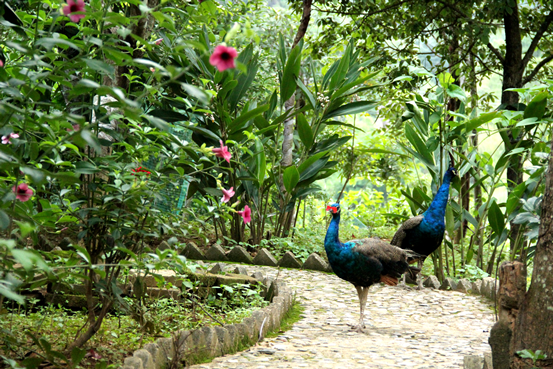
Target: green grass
pixel 292 316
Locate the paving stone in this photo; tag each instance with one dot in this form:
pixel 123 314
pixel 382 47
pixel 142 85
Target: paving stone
pixel 473 362
pixel 223 336
pixel 289 261
pixel 259 276
pixel 488 363
pixel 477 287
pixel 448 284
pixel 146 357
pixel 432 282
pixel 240 270
pixel 193 252
pixel 264 257
pixel 163 246
pixel 239 255
pixel 217 268
pixel 159 359
pixel 490 286
pixel 216 253
pixel 134 362
pixel 315 262
pixel 464 285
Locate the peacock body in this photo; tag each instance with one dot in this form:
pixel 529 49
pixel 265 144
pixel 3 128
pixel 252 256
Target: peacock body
pixel 363 262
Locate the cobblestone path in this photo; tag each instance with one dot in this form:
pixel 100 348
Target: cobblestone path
pixel 405 328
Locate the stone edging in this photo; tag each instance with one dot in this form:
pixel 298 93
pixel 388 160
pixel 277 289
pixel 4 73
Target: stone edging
pixel 486 287
pixel 210 342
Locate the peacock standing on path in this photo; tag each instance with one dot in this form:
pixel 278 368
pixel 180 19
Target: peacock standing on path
pixel 424 233
pixel 363 262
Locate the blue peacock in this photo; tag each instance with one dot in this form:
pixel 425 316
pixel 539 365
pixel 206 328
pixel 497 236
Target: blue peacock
pixel 424 233
pixel 364 262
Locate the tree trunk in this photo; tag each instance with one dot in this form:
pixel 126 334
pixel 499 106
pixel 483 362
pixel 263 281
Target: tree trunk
pixel 290 125
pixel 512 285
pixel 513 70
pixel 533 326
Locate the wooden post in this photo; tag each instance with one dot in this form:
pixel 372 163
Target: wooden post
pixel 512 287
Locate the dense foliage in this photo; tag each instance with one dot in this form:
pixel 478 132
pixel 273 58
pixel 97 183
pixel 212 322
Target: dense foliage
pixel 127 123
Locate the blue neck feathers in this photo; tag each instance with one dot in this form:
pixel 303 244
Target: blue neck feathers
pixel 436 211
pixel 331 238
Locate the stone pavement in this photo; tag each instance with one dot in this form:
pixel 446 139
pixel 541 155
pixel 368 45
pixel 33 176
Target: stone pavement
pixel 405 328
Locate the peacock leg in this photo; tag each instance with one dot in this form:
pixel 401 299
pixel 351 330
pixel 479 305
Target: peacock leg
pixel 419 275
pixel 362 292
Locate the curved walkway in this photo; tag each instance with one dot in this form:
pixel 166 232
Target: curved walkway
pixel 405 328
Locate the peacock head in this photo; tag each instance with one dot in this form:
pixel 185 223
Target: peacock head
pixel 452 172
pixel 333 208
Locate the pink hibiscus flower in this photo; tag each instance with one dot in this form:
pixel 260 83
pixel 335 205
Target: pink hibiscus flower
pixel 227 194
pixel 73 7
pixel 222 152
pixel 158 41
pixel 6 139
pixel 223 57
pixel 22 192
pixel 246 214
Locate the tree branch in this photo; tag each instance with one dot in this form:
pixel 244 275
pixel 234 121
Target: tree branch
pixel 306 17
pixel 497 53
pixel 539 34
pixel 537 69
pixel 364 14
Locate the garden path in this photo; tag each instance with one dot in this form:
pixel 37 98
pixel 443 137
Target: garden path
pixel 406 328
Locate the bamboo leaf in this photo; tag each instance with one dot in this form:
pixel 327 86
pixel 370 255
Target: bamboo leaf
pixel 290 177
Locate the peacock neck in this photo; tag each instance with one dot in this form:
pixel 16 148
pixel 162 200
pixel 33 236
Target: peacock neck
pixel 436 211
pixel 331 238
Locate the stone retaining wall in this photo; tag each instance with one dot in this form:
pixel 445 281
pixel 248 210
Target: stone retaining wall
pixel 486 287
pixel 209 342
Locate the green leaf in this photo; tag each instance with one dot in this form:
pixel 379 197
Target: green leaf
pixel 309 161
pixel 204 132
pixel 342 124
pixel 306 92
pixel 351 108
pixel 290 177
pixel 99 66
pixel 81 251
pixel 4 220
pixel 496 218
pixel 456 92
pixel 6 292
pixel 85 167
pixel 342 68
pixel 239 122
pixel 536 107
pixel 260 161
pixel 37 176
pixel 313 169
pixel 77 355
pixel 480 120
pixel 513 201
pixel 449 221
pixel 304 131
pixel 90 139
pixel 418 144
pixel 290 73
pixel 170 116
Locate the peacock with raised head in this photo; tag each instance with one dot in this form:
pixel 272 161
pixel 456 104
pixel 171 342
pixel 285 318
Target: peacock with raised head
pixel 424 233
